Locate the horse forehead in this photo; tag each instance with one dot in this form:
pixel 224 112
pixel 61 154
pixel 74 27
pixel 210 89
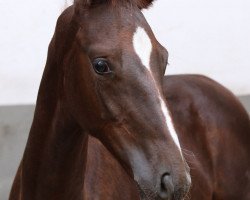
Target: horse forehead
pixel 105 20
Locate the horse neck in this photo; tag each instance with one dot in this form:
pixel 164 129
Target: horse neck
pixel 54 161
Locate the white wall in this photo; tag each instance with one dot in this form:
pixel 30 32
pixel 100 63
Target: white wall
pixel 208 37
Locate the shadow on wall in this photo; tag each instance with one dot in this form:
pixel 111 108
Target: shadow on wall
pixel 15 122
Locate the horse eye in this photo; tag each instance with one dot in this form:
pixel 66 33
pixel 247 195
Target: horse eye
pixel 101 66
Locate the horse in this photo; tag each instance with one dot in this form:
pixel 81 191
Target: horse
pixel 103 78
pixel 214 132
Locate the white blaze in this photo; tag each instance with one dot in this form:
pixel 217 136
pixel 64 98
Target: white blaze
pixel 169 123
pixel 143 48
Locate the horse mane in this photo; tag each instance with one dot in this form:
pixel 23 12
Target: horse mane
pixel 88 3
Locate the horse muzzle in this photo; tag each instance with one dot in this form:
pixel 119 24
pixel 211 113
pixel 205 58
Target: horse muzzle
pixel 166 190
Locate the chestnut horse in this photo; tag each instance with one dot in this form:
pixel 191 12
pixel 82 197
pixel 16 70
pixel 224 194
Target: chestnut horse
pixel 104 78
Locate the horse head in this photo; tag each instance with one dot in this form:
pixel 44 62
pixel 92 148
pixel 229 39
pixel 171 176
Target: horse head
pixel 113 86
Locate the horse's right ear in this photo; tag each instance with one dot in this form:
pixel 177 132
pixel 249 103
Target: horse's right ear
pixel 144 3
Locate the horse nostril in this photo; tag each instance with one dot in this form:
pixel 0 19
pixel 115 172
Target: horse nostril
pixel 167 186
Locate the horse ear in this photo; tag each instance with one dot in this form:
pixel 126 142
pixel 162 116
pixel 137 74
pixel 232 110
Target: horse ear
pixel 144 3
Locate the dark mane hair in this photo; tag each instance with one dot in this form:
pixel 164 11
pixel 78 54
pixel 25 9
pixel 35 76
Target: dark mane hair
pixel 88 3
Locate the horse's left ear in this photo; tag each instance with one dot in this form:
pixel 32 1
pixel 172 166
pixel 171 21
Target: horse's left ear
pixel 144 3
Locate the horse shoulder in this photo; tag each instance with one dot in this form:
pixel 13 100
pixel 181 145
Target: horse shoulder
pixel 214 131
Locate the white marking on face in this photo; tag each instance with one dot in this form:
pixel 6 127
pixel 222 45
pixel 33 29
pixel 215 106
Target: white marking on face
pixel 169 123
pixel 143 48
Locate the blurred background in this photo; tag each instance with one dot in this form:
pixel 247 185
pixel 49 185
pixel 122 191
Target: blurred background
pixel 205 37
